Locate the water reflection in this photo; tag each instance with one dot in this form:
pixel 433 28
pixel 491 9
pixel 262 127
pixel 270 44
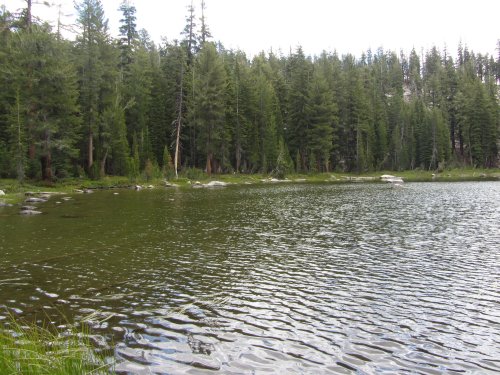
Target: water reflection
pixel 283 279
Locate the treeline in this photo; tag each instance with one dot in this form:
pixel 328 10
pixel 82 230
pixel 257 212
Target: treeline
pixel 101 106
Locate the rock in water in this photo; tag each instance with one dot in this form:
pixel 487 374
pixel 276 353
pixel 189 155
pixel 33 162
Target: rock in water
pixel 30 212
pixel 2 192
pixel 35 200
pixel 27 208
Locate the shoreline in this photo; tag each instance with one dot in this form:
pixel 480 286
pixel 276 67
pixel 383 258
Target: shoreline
pixel 15 192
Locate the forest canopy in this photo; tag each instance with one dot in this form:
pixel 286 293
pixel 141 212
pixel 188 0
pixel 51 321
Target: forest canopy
pixel 98 105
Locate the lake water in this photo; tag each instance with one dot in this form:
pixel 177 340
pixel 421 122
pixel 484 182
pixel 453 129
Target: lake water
pixel 289 279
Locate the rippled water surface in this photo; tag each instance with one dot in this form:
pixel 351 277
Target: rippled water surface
pixel 269 279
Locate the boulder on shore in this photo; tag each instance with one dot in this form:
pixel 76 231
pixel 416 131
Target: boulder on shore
pixel 391 179
pixel 169 184
pixel 216 184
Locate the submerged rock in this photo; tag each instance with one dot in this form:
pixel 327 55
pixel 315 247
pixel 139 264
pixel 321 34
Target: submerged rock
pixel 27 208
pixel 30 212
pixel 35 200
pixel 3 204
pixel 211 184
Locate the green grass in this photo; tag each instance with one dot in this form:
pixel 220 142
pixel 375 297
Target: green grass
pixel 28 349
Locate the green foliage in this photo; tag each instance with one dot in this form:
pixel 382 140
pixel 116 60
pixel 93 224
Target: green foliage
pixel 108 106
pixel 209 105
pixel 168 165
pixel 194 174
pixel 133 162
pixel 284 164
pixel 41 115
pixel 149 170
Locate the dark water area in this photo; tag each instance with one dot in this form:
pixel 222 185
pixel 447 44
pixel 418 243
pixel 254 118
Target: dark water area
pixel 289 279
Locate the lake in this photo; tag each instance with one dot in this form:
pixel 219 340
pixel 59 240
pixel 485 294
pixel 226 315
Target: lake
pixel 285 278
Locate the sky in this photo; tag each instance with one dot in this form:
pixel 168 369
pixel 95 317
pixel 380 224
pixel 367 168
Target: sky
pixel 347 26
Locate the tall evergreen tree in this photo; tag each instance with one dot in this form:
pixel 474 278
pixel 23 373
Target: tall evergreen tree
pixel 209 104
pixel 321 113
pixel 299 72
pixel 205 33
pixel 96 66
pixel 190 41
pixel 44 110
pixel 128 33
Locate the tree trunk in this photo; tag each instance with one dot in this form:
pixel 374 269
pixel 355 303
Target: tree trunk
pixel 28 15
pixel 179 124
pixel 91 150
pixel 209 164
pixel 102 170
pixel 46 159
pixel 46 162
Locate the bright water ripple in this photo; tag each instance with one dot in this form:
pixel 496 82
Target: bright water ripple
pixel 296 279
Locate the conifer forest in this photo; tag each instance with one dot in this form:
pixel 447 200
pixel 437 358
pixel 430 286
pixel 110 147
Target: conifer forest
pixel 97 105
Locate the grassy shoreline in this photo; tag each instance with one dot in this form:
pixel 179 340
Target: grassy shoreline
pixel 15 191
pixel 26 348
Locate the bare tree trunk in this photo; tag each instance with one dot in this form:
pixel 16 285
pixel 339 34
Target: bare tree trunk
pixel 28 15
pixel 102 171
pixel 179 124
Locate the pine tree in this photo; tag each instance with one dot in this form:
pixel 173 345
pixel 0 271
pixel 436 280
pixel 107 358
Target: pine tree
pixel 209 104
pixel 190 42
pixel 205 34
pixel 321 113
pixel 96 64
pixel 297 122
pixel 128 33
pixel 44 111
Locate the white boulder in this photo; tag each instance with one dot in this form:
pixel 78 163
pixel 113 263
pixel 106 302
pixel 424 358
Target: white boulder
pixel 216 184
